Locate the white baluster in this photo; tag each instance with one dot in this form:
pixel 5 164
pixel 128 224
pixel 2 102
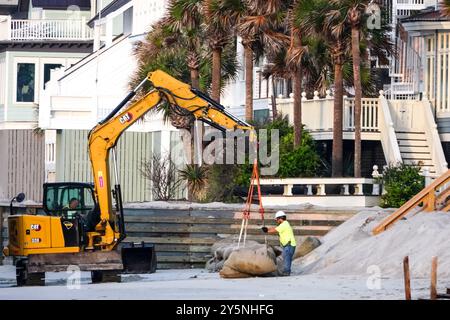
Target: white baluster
pixel 321 190
pixel 316 95
pixel 346 190
pixel 288 190
pixel 376 186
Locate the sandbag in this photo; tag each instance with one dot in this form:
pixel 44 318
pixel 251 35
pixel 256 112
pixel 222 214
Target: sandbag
pixel 308 245
pixel 214 265
pixel 230 273
pixel 221 250
pixel 254 260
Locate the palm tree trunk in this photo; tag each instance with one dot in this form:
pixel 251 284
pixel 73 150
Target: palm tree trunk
pixel 195 83
pixel 194 78
pixel 274 99
pixel 248 56
pixel 358 98
pixel 216 73
pixel 297 82
pixel 337 157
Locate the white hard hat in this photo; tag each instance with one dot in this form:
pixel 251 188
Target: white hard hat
pixel 280 214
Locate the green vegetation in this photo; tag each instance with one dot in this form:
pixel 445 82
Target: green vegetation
pixel 401 183
pixel 304 161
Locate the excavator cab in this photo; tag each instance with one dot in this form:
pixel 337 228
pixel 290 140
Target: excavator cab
pixel 72 201
pixel 75 203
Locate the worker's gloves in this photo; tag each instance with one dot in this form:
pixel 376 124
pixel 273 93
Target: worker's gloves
pixel 264 229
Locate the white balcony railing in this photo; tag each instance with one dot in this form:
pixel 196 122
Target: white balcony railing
pixel 410 2
pixel 317 113
pixel 29 30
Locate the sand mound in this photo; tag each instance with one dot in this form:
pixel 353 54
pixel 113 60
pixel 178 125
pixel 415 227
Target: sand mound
pixel 351 249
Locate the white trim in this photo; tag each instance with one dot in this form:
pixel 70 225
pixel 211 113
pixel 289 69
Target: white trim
pixel 443 114
pixel 426 25
pixel 7 86
pixel 112 15
pixel 18 125
pixel 445 137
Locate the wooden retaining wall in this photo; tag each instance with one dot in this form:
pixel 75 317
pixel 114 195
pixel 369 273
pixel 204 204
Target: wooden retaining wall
pixel 183 238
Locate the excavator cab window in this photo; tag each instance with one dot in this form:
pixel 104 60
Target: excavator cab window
pixel 68 200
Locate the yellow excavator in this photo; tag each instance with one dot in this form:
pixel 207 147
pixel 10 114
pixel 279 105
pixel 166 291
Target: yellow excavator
pixel 81 226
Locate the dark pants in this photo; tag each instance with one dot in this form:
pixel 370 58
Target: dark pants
pixel 288 254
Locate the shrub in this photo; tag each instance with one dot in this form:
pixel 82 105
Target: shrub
pixel 196 178
pixel 401 183
pixel 303 161
pixel 162 174
pixel 225 181
pixel 221 183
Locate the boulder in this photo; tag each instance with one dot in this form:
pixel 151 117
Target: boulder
pixel 308 245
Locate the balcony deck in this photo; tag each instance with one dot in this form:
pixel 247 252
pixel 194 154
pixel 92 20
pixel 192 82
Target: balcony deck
pixel 44 30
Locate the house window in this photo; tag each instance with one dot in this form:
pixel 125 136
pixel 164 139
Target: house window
pixel 47 71
pixel 26 75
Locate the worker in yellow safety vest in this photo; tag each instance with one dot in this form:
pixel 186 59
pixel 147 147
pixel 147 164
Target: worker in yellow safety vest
pixel 287 239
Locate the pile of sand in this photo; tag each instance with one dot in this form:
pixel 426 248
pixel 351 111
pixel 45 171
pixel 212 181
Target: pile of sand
pixel 351 249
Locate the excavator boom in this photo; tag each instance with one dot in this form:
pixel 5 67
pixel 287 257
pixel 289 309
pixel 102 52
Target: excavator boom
pixel 103 138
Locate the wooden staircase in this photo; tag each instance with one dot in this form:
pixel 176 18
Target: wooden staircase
pixel 415 149
pixel 432 198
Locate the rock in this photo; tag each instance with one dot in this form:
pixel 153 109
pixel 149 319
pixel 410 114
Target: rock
pixel 308 245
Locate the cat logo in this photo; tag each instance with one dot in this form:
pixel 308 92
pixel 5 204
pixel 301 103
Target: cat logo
pixel 127 117
pixel 68 224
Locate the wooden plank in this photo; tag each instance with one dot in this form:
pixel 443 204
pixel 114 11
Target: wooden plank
pixel 165 266
pixel 177 219
pixel 407 278
pixel 251 233
pixel 433 287
pixel 185 259
pixel 212 229
pixel 182 248
pixel 174 240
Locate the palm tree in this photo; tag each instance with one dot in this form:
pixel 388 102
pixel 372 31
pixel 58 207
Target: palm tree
pixel 254 21
pixel 325 22
pixel 218 30
pixel 445 7
pixel 353 13
pixel 354 10
pixel 184 18
pixel 196 178
pixel 294 62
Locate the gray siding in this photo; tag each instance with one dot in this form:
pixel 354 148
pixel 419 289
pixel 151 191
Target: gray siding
pixel 443 125
pixel 22 166
pixel 73 165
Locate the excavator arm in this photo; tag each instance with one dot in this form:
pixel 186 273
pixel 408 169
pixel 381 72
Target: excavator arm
pixel 103 138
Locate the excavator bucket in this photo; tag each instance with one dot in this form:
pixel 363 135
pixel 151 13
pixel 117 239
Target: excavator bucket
pixel 138 258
